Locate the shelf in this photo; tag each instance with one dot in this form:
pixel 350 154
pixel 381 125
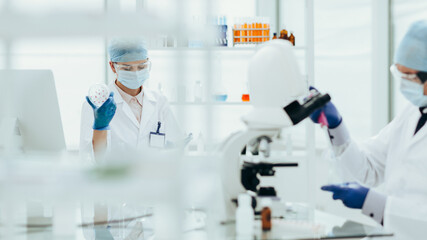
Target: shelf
pixel 249 29
pixel 249 48
pixel 211 103
pixel 78 24
pixel 229 49
pixel 251 37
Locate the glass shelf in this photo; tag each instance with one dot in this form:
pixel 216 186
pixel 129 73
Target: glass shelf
pixel 211 103
pixel 241 48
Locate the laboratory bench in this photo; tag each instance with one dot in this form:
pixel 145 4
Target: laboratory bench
pixel 67 193
pixel 323 226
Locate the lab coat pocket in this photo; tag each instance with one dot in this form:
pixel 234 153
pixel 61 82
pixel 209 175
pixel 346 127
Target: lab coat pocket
pixel 150 127
pixel 145 132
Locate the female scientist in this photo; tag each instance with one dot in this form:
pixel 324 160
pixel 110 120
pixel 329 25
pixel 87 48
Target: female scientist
pixel 133 116
pixel 396 158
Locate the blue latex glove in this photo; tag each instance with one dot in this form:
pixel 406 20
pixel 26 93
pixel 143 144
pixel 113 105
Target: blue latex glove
pixel 353 195
pixel 103 114
pixel 331 113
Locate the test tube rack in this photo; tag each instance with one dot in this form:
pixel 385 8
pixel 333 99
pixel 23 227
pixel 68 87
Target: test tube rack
pixel 250 35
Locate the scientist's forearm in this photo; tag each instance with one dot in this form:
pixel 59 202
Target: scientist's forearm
pixel 99 142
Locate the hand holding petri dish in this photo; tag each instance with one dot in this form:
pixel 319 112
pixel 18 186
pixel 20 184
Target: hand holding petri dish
pixel 98 94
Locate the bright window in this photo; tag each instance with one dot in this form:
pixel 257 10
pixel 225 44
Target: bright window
pixel 343 60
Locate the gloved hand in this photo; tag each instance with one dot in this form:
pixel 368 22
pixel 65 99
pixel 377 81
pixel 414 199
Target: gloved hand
pixel 331 113
pixel 353 195
pixel 103 114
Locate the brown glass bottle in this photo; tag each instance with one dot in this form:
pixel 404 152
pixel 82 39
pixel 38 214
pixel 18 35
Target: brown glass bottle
pixel 284 34
pixel 292 39
pixel 274 35
pixel 266 218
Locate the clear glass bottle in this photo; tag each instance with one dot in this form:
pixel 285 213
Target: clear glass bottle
pixel 198 90
pixel 244 216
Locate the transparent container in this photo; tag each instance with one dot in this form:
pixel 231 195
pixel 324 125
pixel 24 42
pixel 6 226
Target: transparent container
pixel 119 221
pixel 98 94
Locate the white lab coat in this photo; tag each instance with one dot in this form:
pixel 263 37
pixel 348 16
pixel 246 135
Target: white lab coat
pixel 398 160
pixel 125 131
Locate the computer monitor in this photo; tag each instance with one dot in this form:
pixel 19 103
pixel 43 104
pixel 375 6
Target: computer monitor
pixel 29 96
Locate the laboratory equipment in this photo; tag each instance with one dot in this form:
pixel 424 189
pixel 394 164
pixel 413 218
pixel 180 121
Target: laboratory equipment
pixel 275 83
pixel 266 214
pixel 328 115
pixel 250 172
pixel 220 97
pixel 219 91
pixel 32 110
pixel 236 33
pixel 98 94
pixel 196 40
pixel 284 34
pixel 221 22
pixel 198 90
pixel 245 97
pixel 251 31
pixel 245 93
pixel 292 38
pixel 245 216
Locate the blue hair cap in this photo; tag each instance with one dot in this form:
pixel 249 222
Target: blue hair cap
pixel 412 50
pixel 127 49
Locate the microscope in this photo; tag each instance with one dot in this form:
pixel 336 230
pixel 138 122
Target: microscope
pixel 276 85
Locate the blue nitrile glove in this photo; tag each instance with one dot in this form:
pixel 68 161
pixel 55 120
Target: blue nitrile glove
pixel 103 114
pixel 353 195
pixel 331 113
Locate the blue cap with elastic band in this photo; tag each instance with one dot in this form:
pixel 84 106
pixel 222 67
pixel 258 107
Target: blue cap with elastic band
pixel 127 50
pixel 412 50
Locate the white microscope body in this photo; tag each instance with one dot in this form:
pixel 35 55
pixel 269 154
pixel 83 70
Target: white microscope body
pixel 275 81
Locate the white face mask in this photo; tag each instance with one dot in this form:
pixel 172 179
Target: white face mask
pixel 133 80
pixel 414 92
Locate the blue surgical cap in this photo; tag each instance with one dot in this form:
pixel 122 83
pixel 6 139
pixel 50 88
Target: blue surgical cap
pixel 412 51
pixel 127 50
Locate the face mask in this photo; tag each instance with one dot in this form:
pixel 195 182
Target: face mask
pixel 414 92
pixel 133 80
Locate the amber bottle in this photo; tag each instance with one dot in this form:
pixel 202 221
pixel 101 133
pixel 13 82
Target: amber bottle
pixel 284 34
pixel 292 39
pixel 266 215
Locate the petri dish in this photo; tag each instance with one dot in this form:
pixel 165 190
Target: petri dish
pixel 98 94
